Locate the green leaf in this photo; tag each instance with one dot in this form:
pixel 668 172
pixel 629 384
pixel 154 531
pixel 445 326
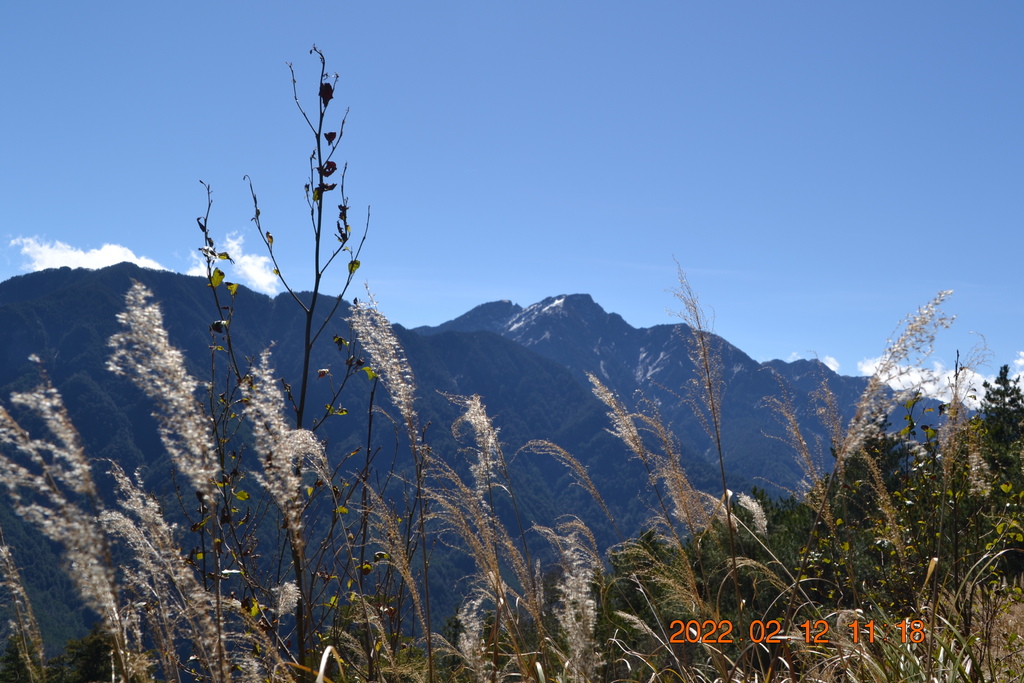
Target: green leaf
pixel 369 372
pixel 255 609
pixel 353 266
pixel 223 256
pixel 242 495
pixel 232 288
pixel 1007 487
pixel 341 510
pixel 316 194
pixel 276 271
pixel 216 278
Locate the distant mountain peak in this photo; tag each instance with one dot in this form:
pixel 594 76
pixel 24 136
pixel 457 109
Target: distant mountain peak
pixel 562 306
pixel 490 317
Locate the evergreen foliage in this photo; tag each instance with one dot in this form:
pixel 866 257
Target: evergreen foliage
pixel 1003 410
pixel 84 660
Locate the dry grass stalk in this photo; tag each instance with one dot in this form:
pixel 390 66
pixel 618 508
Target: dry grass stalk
pixel 577 613
pixel 25 629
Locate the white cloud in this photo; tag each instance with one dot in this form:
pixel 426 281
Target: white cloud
pixel 256 272
pixel 1018 364
pixel 934 382
pixel 56 254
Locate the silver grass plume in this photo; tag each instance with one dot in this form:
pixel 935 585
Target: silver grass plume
pixel 705 389
pixel 470 643
pixel 378 338
pixel 490 541
pixel 282 450
pixel 488 449
pixel 52 487
pixel 178 607
pixel 677 498
pixel 684 502
pixel 577 613
pixel 287 597
pixel 578 471
pixel 757 512
pixel 811 464
pixel 143 353
pixel 901 357
pixel 55 468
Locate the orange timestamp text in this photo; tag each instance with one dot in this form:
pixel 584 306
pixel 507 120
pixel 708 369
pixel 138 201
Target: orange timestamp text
pixel 814 632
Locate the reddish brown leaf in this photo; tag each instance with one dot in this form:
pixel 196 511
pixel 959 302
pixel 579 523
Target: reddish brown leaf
pixel 326 93
pixel 330 137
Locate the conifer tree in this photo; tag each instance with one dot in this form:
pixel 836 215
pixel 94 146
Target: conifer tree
pixel 1003 410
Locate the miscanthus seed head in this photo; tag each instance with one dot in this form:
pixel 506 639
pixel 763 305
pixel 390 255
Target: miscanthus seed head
pixel 143 353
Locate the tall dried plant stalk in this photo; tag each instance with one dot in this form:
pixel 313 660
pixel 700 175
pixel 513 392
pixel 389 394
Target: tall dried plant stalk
pixel 705 396
pixel 24 627
pixel 577 613
pixel 390 364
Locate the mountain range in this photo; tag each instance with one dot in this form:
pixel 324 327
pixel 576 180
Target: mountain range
pixel 655 363
pixel 529 365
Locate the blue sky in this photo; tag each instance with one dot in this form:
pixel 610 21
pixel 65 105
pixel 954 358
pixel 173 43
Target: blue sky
pixel 818 169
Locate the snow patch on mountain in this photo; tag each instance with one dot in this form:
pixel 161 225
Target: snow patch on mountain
pixel 554 305
pixel 646 368
pixel 530 315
